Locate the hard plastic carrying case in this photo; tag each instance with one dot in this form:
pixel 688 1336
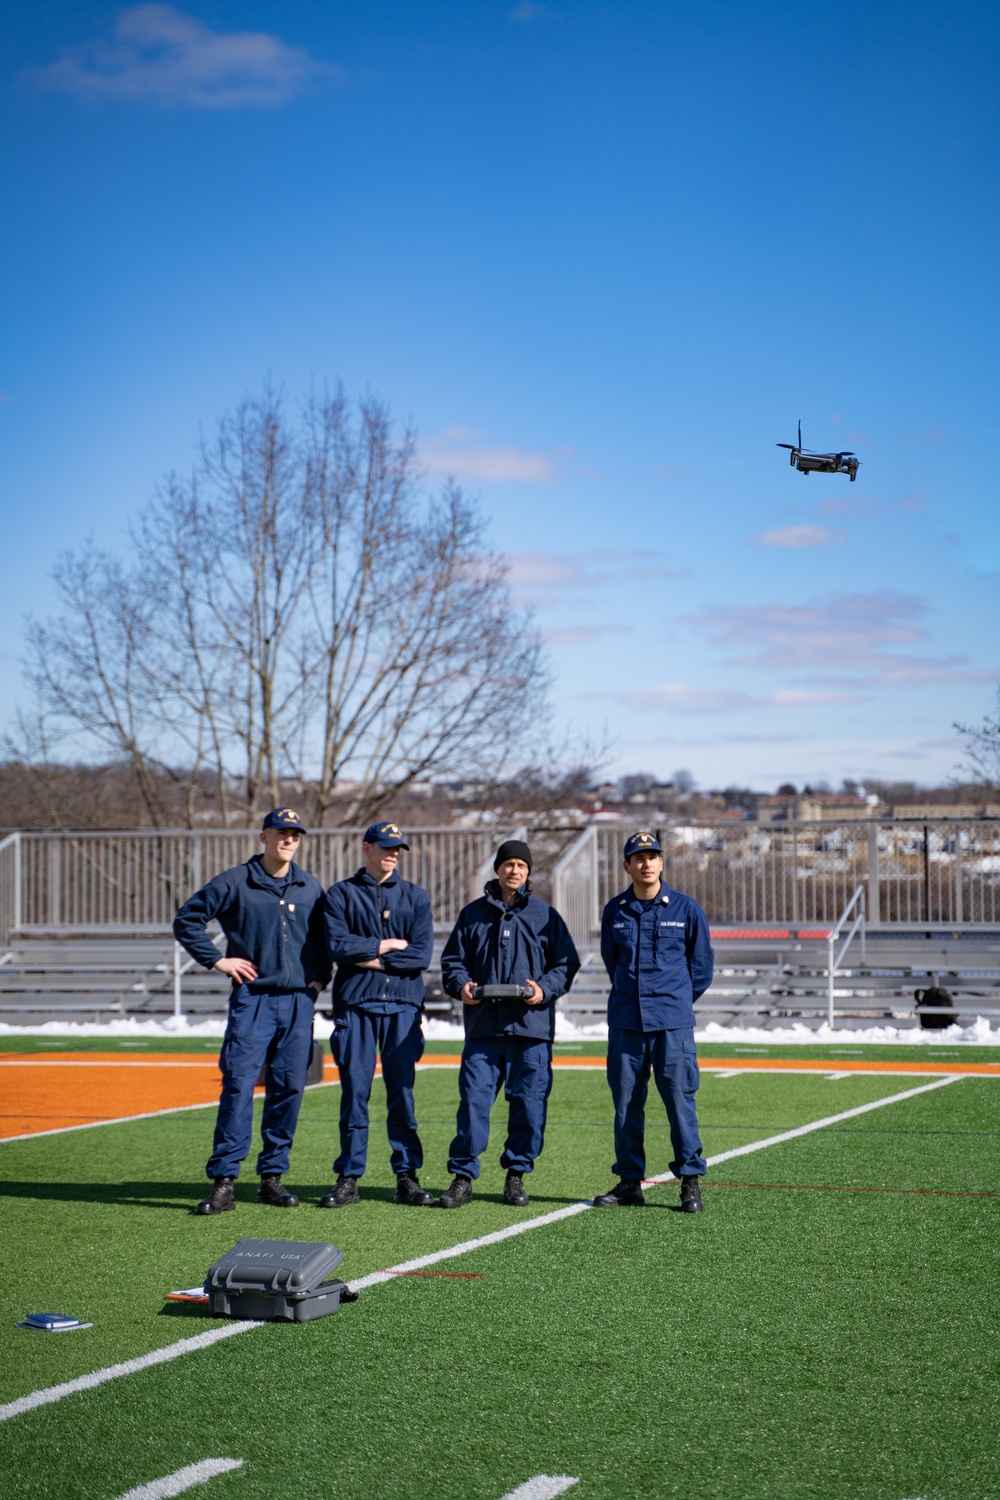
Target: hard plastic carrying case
pixel 286 1280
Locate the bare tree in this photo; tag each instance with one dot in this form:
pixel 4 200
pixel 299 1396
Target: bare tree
pixel 299 611
pixel 982 749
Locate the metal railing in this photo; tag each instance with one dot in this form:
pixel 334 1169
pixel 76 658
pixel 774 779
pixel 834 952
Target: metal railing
pixel 133 882
pixel 576 888
pixel 943 874
pixel 834 960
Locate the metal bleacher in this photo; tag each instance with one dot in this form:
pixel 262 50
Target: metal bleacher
pixel 808 924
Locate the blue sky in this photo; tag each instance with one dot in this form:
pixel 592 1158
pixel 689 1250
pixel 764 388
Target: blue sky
pixel 605 256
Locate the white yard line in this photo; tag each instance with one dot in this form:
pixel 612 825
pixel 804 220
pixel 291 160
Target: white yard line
pixel 127 1367
pixel 106 1062
pixel 542 1487
pixel 186 1479
pixel 846 1114
pixel 521 1226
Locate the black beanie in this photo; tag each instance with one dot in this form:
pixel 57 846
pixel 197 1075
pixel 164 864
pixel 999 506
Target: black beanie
pixel 513 849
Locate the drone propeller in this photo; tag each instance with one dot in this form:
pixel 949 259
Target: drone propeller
pixel 786 445
pixel 800 432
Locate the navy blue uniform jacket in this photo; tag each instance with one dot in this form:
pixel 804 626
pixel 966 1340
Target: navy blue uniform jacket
pixel 497 944
pixel 278 929
pixel 659 960
pixel 357 914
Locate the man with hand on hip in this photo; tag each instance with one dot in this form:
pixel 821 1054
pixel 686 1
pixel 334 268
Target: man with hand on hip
pixel 656 948
pixel 380 934
pixel 506 938
pixel 271 914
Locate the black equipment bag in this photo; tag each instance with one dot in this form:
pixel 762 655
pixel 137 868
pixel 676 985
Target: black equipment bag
pixel 284 1280
pixel 502 992
pixel 937 997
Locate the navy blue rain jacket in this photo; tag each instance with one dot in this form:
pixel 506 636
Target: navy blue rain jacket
pixel 357 914
pixel 497 944
pixel 279 930
pixel 659 960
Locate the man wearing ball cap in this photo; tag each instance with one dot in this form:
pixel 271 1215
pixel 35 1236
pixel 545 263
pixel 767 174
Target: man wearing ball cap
pixel 380 935
pixel 507 940
pixel 656 948
pixel 271 914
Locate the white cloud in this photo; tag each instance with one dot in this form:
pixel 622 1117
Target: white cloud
pixel 841 640
pixel 801 536
pixel 542 578
pixel 701 700
pixel 805 697
pixel 462 453
pixel 526 11
pixel 162 56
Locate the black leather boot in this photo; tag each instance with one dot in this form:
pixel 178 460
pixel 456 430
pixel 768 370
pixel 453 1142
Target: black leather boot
pixel 220 1200
pixel 408 1190
pixel 458 1194
pixel 272 1191
pixel 345 1191
pixel 624 1194
pixel 691 1196
pixel 513 1191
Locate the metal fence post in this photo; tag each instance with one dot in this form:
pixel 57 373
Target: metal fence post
pixel 829 978
pixel 177 980
pixel 874 894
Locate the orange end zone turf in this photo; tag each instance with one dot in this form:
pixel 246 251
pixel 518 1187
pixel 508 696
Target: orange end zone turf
pixel 59 1090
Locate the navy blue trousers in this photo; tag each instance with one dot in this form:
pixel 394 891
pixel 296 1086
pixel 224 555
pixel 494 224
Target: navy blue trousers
pixel 523 1066
pixel 671 1058
pixel 274 1031
pixel 358 1037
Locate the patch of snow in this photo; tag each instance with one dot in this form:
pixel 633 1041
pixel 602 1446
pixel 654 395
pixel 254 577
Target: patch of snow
pixel 979 1034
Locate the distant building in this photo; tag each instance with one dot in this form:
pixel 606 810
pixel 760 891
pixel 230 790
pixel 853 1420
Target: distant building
pixel 816 807
pixel 929 810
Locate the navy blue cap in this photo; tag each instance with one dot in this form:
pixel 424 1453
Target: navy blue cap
pixel 386 834
pixel 642 843
pixel 283 817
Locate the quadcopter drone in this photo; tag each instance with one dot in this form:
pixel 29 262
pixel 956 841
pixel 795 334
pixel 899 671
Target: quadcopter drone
pixel 822 463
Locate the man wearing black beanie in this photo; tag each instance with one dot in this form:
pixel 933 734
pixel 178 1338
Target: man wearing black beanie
pixel 508 939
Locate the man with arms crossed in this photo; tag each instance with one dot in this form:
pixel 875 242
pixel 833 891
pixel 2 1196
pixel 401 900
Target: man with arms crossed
pixel 380 934
pixel 656 948
pixel 507 937
pixel 270 912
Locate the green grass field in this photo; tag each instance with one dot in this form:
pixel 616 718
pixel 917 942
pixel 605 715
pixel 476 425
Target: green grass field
pixel 787 1342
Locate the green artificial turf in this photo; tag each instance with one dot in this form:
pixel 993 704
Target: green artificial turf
pixel 787 1342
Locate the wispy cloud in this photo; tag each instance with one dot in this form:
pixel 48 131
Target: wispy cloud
pixel 583 635
pixel 468 455
pixel 930 435
pixel 681 698
pixel 849 505
pixel 542 578
pixel 842 640
pixel 160 55
pixel 526 11
pixel 801 537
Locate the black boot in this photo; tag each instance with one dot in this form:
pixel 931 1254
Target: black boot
pixel 513 1191
pixel 691 1196
pixel 408 1190
pixel 458 1194
pixel 344 1192
pixel 271 1191
pixel 624 1194
pixel 220 1199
